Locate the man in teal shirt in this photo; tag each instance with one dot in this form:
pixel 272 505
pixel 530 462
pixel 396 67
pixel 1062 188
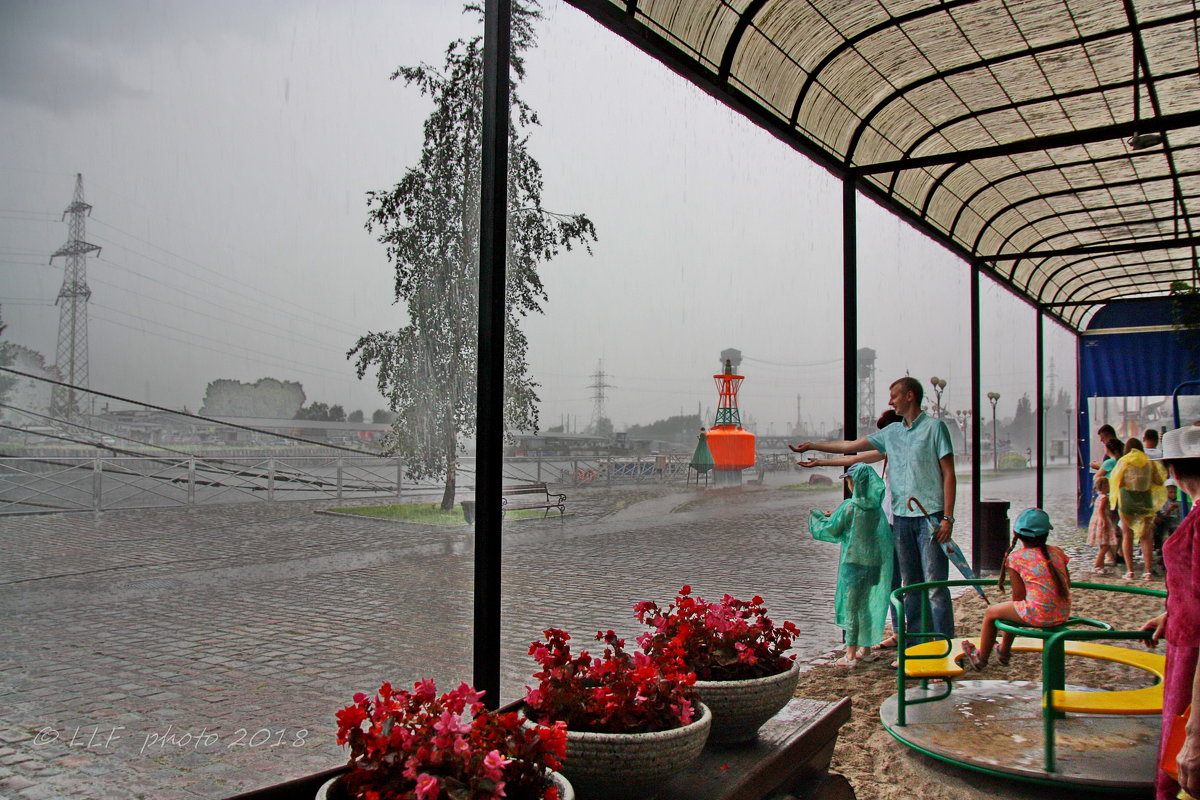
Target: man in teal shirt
pixel 921 465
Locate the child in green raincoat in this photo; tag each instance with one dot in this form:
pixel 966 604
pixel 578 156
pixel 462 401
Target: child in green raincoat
pixel 865 571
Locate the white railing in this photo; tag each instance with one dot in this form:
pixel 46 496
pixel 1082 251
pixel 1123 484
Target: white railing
pixel 109 483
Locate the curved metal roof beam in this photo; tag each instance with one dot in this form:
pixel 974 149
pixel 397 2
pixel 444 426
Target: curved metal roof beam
pixel 1165 287
pixel 1060 289
pixel 735 38
pixel 1050 98
pixel 1091 208
pixel 1128 156
pixel 853 41
pixel 1045 240
pixel 940 180
pixel 1126 30
pixel 1095 187
pixel 1140 55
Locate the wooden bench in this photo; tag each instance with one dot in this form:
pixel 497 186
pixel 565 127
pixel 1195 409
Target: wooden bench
pixel 530 496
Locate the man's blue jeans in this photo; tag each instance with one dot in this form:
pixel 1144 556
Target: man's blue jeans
pixel 922 559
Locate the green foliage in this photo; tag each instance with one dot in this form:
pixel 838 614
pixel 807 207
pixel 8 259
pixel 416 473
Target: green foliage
pixel 7 381
pixel 381 416
pixel 1185 314
pixel 266 397
pixel 1013 461
pixel 679 427
pixel 1021 431
pixel 355 416
pixel 429 225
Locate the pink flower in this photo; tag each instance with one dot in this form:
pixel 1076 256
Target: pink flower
pixel 428 787
pixel 493 765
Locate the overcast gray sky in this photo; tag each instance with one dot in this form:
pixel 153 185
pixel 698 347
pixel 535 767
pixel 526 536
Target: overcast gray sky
pixel 227 147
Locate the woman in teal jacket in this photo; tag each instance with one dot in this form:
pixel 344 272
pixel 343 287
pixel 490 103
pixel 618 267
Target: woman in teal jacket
pixel 865 570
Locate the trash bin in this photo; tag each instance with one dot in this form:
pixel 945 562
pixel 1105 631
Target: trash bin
pixel 991 536
pixel 468 507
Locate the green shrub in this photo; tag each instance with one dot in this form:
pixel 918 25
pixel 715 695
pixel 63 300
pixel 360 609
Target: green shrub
pixel 1013 461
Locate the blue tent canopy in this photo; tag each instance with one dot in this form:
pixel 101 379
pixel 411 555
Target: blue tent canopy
pixel 1130 349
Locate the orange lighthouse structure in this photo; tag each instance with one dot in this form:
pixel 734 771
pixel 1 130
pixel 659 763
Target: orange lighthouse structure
pixel 732 447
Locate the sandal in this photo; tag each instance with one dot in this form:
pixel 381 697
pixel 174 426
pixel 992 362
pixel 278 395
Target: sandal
pixel 1128 576
pixel 846 661
pixel 1146 576
pixel 972 654
pixel 887 644
pixel 1003 656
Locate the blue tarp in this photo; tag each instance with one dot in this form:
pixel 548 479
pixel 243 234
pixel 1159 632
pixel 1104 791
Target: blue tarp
pixel 1128 350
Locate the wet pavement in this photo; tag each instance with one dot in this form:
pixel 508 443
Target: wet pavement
pixel 198 653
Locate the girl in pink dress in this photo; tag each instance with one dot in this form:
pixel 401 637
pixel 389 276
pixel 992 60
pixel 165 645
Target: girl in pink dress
pixel 1040 587
pixel 1102 532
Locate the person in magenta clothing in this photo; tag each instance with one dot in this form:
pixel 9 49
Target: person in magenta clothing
pixel 1040 587
pixel 1180 624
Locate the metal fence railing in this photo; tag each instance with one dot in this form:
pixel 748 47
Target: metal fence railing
pixel 102 483
pixel 109 483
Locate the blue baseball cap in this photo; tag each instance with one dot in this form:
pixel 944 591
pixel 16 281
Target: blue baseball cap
pixel 1033 522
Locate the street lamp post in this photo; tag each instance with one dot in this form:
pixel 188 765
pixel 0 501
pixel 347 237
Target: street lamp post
pixel 938 386
pixel 994 397
pixel 961 417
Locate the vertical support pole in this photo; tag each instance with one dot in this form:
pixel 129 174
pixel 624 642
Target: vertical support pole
pixel 1083 479
pixel 849 313
pixel 976 417
pixel 493 227
pixel 270 480
pixel 191 481
pixel 1039 416
pixel 399 478
pixel 539 469
pixel 97 482
pixel 339 479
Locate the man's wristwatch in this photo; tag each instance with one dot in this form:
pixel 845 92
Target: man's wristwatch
pixel 948 519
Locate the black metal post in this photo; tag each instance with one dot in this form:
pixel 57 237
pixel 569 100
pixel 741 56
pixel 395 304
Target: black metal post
pixel 849 311
pixel 493 226
pixel 1039 417
pixel 976 419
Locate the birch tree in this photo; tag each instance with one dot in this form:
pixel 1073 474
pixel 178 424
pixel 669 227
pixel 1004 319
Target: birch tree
pixel 429 224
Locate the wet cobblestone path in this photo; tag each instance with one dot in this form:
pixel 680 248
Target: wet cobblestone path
pixel 200 653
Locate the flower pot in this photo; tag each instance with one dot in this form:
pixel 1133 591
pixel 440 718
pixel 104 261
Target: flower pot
pixel 332 788
pixel 631 766
pixel 740 708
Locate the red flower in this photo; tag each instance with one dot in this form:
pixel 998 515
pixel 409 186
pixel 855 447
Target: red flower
pixel 421 746
pixel 728 640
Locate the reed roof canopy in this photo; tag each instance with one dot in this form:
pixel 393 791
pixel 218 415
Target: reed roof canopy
pixel 1054 142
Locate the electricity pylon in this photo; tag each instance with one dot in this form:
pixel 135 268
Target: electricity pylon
pixel 71 359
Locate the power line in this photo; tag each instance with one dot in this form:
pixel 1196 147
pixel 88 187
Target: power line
pixel 249 355
pixel 225 320
pixel 304 312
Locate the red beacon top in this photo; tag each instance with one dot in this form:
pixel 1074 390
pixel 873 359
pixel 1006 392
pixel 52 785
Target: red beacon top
pixel 732 447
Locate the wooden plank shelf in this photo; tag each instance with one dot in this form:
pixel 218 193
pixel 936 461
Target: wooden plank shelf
pixel 789 757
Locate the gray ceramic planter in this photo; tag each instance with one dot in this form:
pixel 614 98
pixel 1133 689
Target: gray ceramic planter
pixel 631 766
pixel 332 789
pixel 740 708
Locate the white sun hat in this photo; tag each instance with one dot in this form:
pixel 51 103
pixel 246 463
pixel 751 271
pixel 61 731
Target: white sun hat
pixel 1181 443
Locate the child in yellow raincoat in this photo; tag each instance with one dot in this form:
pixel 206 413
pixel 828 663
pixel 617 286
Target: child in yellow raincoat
pixel 865 568
pixel 1137 490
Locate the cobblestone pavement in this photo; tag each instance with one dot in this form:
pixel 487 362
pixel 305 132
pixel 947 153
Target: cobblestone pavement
pixel 198 653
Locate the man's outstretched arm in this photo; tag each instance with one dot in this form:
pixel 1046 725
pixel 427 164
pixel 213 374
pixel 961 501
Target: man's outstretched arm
pixel 844 447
